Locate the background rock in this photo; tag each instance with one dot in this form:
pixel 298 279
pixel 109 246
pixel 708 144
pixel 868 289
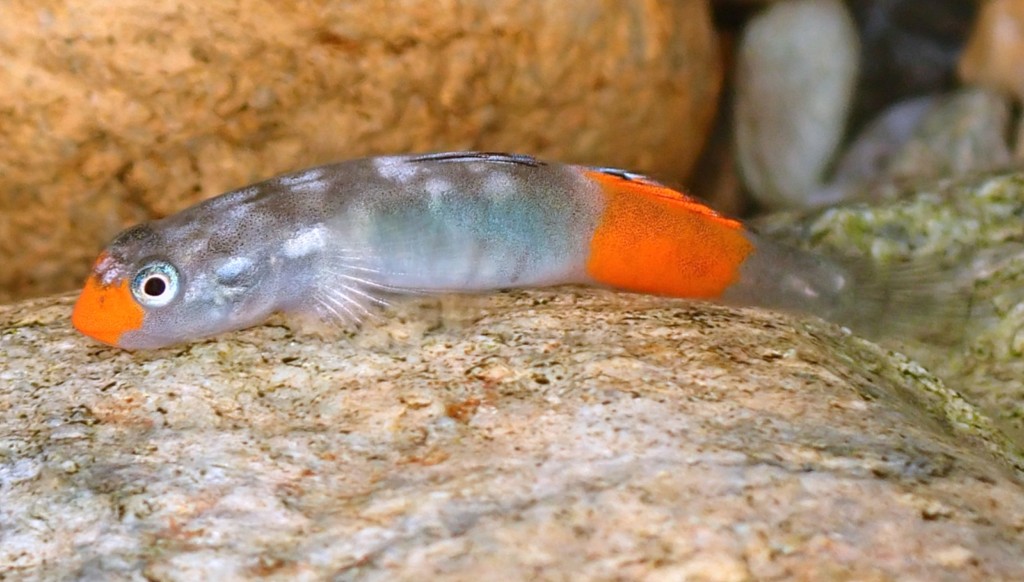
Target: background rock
pixel 119 111
pixel 870 154
pixel 924 140
pixel 995 54
pixel 994 57
pixel 558 435
pixel 966 133
pixel 796 69
pixel 909 48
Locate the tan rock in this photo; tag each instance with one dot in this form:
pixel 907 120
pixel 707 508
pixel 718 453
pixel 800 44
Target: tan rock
pixel 558 435
pixel 994 54
pixel 114 112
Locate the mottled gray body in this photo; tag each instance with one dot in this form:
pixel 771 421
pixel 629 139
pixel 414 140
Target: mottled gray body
pixel 462 225
pixel 336 238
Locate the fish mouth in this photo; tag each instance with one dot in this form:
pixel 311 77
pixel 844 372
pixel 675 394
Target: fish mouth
pixel 105 312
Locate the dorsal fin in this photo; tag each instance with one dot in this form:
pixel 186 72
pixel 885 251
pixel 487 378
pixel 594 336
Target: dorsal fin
pixel 628 176
pixel 641 185
pixel 495 157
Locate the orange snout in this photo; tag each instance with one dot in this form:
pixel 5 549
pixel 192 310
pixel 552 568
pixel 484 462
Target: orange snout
pixel 105 312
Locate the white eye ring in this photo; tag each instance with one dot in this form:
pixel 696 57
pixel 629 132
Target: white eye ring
pixel 156 284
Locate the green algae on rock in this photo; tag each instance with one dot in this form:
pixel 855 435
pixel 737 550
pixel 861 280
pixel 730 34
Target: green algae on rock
pixel 557 434
pixel 972 229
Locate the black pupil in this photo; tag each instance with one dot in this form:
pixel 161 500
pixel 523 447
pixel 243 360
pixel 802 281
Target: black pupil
pixel 154 286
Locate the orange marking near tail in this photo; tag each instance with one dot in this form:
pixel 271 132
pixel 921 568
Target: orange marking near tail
pixel 653 239
pixel 106 312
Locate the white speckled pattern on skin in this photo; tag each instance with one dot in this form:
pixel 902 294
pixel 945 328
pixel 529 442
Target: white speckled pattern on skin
pixel 306 242
pixel 395 168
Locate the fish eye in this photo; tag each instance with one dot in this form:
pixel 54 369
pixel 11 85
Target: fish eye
pixel 156 284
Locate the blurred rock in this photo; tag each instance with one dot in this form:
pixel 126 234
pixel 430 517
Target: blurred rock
pixel 966 133
pixel 115 112
pixel 796 68
pixel 869 156
pixel 560 435
pixel 923 140
pixel 994 57
pixel 909 48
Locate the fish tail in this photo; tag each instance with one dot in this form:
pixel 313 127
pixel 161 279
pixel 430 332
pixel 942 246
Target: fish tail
pixel 653 239
pixel 919 299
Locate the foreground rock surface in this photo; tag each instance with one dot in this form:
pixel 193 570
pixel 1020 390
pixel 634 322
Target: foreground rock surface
pixel 119 111
pixel 555 435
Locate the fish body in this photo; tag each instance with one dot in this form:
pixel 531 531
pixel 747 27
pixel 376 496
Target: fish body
pixel 335 240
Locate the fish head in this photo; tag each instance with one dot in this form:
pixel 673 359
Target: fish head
pixel 159 284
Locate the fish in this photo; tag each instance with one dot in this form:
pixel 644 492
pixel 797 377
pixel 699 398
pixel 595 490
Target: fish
pixel 338 241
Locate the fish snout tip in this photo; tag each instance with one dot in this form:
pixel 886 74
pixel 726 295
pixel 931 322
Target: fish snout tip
pixel 105 312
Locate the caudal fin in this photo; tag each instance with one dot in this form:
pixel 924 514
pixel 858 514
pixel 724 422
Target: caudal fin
pixel 919 300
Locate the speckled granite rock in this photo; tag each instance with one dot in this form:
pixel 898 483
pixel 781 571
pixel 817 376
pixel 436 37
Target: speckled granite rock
pixel 972 229
pixel 117 111
pixel 555 435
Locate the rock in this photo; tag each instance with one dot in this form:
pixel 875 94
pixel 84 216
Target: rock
pixel 115 112
pixel 923 140
pixel 870 155
pixel 966 133
pixel 994 56
pixel 966 232
pixel 796 69
pixel 560 434
pixel 909 48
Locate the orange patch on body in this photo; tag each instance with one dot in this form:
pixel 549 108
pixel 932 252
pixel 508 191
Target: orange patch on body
pixel 105 312
pixel 653 239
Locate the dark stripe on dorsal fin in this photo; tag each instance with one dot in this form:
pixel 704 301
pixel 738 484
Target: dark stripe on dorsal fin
pixel 640 185
pixel 629 176
pixel 495 157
